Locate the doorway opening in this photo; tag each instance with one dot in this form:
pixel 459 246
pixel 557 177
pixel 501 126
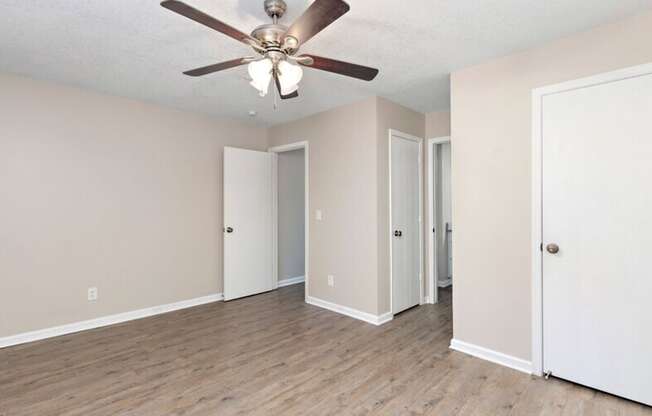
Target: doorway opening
pixel 290 216
pixel 440 222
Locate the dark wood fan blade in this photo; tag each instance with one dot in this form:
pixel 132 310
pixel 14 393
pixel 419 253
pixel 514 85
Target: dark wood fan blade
pixel 206 20
pixel 295 94
pixel 343 68
pixel 209 69
pixel 320 14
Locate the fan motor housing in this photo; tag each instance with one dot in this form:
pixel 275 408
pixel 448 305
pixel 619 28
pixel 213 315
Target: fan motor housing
pixel 270 35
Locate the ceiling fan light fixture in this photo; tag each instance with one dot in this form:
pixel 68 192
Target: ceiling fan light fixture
pixel 276 44
pixel 290 42
pixel 289 76
pixel 289 90
pixel 261 75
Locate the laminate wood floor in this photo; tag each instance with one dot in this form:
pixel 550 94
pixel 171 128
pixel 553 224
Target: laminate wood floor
pixel 273 354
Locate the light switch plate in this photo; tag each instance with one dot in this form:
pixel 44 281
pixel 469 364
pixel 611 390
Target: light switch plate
pixel 318 215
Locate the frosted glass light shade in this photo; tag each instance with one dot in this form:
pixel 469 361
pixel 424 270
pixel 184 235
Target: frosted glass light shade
pixel 261 74
pixel 289 77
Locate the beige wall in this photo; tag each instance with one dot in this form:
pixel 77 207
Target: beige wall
pixel 108 192
pixel 291 213
pixel 491 174
pixel 390 116
pixel 343 184
pixel 438 124
pixel 349 182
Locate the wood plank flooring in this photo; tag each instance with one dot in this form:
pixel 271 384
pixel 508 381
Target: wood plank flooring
pixel 273 354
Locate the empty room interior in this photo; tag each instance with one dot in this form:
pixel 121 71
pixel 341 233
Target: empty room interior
pixel 325 207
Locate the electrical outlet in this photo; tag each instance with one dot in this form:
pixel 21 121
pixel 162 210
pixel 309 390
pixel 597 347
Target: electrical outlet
pixel 331 280
pixel 92 293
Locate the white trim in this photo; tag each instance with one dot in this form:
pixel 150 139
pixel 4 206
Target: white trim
pixel 537 200
pixel 306 157
pixel 274 220
pixel 419 140
pixel 431 255
pixel 445 283
pixel 353 313
pixel 291 281
pixel 106 320
pixel 289 147
pixel 492 356
pixel 440 140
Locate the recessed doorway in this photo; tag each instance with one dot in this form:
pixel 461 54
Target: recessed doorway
pixel 290 214
pixel 440 221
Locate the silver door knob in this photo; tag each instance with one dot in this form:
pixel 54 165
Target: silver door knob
pixel 552 248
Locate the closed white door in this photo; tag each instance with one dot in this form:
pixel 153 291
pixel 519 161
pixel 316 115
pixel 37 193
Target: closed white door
pixel 597 237
pixel 405 223
pixel 248 265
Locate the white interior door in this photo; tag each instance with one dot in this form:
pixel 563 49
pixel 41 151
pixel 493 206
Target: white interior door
pixel 248 263
pixel 597 207
pixel 405 223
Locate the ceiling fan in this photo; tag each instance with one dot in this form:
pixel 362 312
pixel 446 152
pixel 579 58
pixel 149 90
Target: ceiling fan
pixel 277 45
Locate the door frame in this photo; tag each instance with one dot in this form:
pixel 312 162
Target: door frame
pixel 419 140
pixel 431 253
pixel 537 191
pixel 306 171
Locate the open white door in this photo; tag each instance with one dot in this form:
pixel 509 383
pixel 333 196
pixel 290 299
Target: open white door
pixel 406 234
pixel 597 236
pixel 248 265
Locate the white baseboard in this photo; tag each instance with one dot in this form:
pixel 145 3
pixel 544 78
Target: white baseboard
pixel 291 281
pixel 445 283
pixel 353 313
pixel 384 318
pixel 105 321
pixel 493 356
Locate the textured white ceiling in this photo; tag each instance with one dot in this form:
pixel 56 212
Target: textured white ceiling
pixel 135 48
